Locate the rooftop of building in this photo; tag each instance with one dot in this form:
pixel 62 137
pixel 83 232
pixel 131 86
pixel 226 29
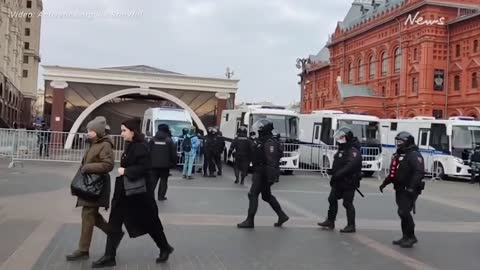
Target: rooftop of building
pixel 142 68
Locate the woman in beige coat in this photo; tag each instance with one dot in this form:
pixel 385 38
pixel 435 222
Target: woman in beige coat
pixel 99 159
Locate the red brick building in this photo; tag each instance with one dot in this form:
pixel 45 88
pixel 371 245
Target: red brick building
pixel 399 58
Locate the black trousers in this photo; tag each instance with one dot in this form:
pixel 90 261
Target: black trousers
pixel 209 164
pixel 260 185
pixel 117 218
pixel 44 148
pixel 347 195
pixel 162 175
pixel 405 203
pixel 241 167
pixel 217 159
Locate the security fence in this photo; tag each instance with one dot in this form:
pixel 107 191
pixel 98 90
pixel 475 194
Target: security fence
pixel 39 145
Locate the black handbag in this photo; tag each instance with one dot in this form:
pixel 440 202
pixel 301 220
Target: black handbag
pixel 88 186
pixel 134 187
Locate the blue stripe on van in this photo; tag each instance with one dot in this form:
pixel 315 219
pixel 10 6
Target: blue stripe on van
pixel 427 151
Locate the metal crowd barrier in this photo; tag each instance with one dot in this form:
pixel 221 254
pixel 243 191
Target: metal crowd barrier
pixel 37 145
pixel 430 166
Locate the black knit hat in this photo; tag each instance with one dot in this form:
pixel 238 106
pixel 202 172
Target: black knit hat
pixel 133 124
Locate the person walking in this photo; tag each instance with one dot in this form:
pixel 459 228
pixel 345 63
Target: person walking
pixel 98 159
pixel 190 145
pixel 137 210
pixel 163 154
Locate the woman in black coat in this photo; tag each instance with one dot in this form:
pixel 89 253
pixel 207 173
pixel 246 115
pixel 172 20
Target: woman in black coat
pixel 138 212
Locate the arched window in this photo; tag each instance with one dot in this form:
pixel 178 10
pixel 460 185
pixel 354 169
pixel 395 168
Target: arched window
pixel 475 46
pixel 415 54
pixel 474 80
pixel 384 63
pixel 398 60
pixel 414 85
pixel 371 65
pixel 383 91
pixel 397 90
pixel 350 73
pixel 361 70
pixel 457 50
pixel 456 83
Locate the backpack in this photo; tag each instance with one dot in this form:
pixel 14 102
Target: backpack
pixel 187 144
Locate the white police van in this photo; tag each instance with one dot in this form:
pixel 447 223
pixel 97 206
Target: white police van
pixel 446 145
pixel 317 146
pixel 285 122
pixel 177 119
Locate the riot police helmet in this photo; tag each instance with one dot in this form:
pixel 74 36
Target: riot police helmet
pixel 404 139
pixel 263 127
pixel 185 131
pixel 242 131
pixel 343 135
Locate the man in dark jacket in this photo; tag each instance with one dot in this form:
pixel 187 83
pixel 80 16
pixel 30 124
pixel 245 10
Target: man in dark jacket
pixel 266 169
pixel 163 154
pixel 346 174
pixel 475 165
pixel 241 149
pixel 406 174
pixel 219 148
pixel 210 150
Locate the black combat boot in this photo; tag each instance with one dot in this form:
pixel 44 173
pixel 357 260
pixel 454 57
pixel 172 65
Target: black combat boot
pixel 408 242
pixel 164 254
pixel 327 224
pixel 281 219
pixel 399 241
pixel 236 180
pixel 348 229
pixel 247 223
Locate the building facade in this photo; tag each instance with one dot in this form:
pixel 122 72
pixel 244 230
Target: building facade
pixel 400 58
pixel 19 53
pixel 73 96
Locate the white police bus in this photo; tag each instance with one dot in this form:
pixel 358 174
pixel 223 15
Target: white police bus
pixel 317 146
pixel 284 121
pixel 446 145
pixel 177 119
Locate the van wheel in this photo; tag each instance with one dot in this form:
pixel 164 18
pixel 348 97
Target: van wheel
pixel 439 171
pixel 368 173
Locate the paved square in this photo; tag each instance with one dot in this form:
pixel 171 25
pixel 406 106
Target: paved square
pixel 39 226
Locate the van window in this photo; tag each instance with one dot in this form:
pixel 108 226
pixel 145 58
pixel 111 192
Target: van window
pixel 326 135
pixel 148 128
pixel 423 139
pixel 439 138
pixel 226 117
pixel 317 132
pixel 393 127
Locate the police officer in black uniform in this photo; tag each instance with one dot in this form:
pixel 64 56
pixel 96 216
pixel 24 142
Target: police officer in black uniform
pixel 241 148
pixel 209 154
pixel 266 169
pixel 406 174
pixel 346 173
pixel 475 165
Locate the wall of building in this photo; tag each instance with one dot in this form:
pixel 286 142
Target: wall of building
pixel 19 65
pixel 413 54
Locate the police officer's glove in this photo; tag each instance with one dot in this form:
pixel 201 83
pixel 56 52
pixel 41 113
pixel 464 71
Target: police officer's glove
pixel 382 186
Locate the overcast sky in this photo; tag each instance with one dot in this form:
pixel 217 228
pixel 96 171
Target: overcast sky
pixel 259 39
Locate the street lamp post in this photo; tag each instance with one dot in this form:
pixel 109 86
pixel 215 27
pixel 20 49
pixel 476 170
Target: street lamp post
pixel 302 64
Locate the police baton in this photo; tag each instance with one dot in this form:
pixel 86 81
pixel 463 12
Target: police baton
pixel 359 192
